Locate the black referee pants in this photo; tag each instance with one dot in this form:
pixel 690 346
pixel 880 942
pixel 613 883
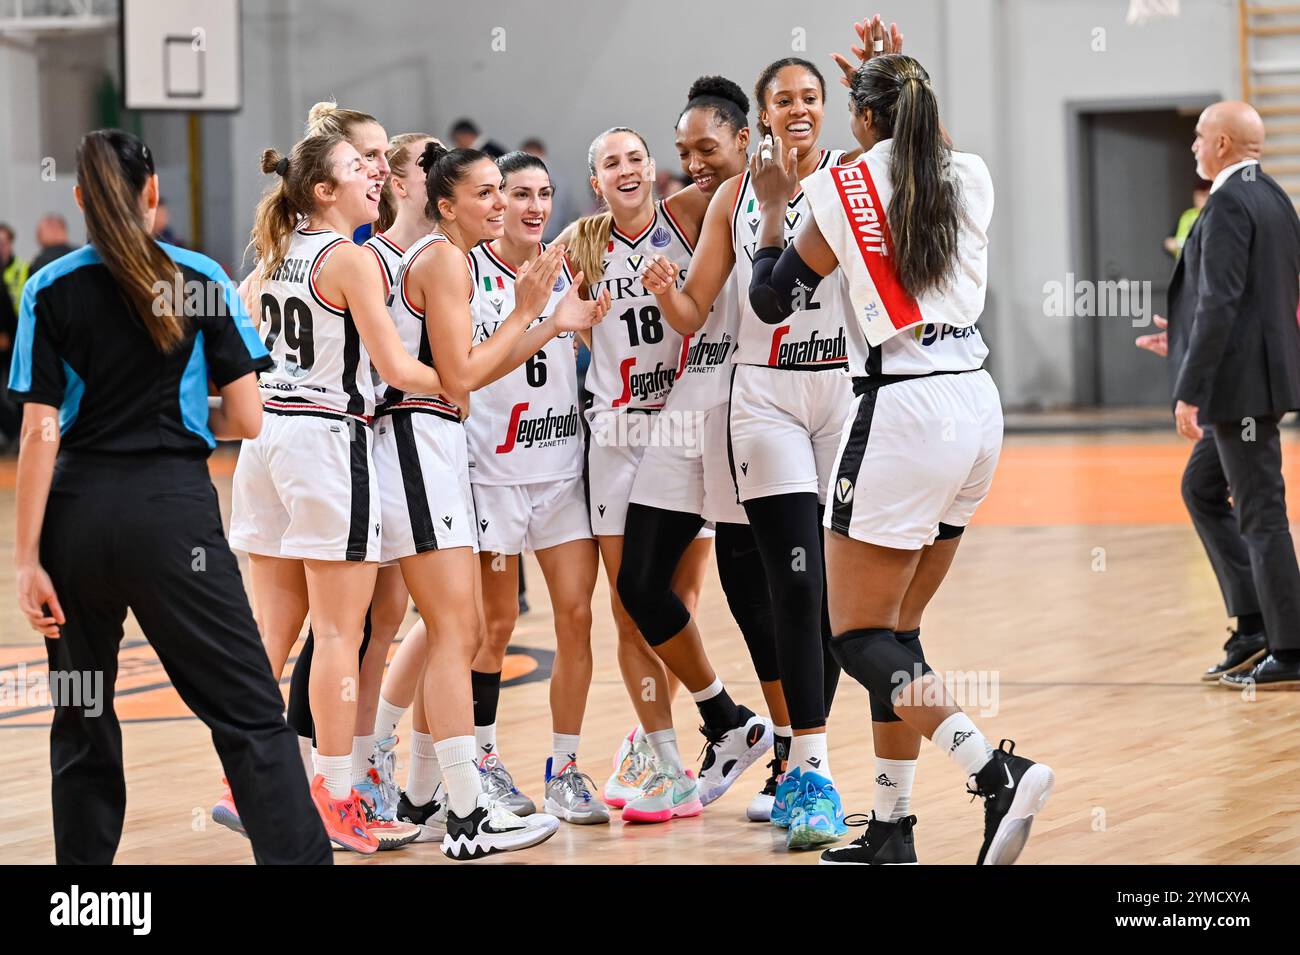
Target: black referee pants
pixel 144 532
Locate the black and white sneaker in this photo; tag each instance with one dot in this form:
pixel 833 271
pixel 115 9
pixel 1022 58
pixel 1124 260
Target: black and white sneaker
pixel 728 753
pixel 431 817
pixel 1014 790
pixel 884 843
pixel 493 828
pixel 760 807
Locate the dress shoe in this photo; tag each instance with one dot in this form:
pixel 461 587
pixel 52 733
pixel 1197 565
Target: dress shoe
pixel 1268 674
pixel 1241 652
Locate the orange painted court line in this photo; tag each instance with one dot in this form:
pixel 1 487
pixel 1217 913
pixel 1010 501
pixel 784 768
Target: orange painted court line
pixel 1040 485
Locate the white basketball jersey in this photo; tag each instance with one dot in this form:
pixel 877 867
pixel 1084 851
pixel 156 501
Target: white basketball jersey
pixel 635 354
pixel 415 338
pixel 705 379
pixel 388 255
pixel 942 335
pixel 812 338
pixel 524 428
pixel 320 362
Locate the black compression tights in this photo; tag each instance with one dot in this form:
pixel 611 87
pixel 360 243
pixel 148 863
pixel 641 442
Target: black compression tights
pixel 299 709
pixel 788 531
pixel 654 541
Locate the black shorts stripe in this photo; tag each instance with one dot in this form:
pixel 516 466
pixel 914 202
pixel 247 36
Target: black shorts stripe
pixel 731 456
pixel 841 492
pixel 417 499
pixel 359 525
pixel 351 361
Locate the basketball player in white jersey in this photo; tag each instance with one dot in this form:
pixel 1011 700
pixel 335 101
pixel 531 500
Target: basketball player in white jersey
pixel 305 503
pixel 635 358
pixel 684 481
pixel 906 225
pixel 526 463
pixel 788 399
pixel 430 525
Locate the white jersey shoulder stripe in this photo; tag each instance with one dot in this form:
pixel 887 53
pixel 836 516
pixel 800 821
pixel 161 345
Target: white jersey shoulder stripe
pixel 317 264
pixel 672 224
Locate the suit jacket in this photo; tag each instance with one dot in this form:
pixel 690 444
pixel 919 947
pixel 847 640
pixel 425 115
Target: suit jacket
pixel 1234 345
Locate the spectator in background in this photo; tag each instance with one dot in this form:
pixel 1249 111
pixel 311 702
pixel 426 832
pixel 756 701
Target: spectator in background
pixel 465 135
pixel 52 237
pixel 1174 243
pixel 12 269
pixel 566 202
pixel 162 225
pixel 667 183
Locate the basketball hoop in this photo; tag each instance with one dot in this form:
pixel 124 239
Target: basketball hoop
pixel 1140 11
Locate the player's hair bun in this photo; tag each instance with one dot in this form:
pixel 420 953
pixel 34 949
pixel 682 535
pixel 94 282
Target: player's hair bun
pixel 320 113
pixel 271 160
pixel 433 151
pixel 721 88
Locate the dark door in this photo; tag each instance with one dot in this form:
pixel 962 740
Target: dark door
pixel 1139 180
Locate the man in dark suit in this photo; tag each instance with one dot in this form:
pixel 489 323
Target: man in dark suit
pixel 1234 350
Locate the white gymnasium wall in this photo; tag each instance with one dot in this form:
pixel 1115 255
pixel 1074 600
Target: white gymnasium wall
pixel 1004 69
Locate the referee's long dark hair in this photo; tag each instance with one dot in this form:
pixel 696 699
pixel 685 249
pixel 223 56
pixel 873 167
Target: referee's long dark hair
pixel 926 207
pixel 113 168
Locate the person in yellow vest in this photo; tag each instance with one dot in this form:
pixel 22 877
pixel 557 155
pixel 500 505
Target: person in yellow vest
pixel 13 269
pixel 1174 243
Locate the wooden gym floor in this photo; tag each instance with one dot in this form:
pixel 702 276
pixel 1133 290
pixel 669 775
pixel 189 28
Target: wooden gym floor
pixel 1081 599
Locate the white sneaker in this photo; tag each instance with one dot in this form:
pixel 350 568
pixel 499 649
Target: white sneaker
pixel 431 817
pixel 635 767
pixel 728 754
pixel 760 807
pixel 493 828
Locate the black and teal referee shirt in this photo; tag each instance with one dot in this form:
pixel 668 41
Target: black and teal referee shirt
pixel 81 348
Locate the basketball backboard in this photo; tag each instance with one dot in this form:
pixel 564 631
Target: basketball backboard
pixel 181 54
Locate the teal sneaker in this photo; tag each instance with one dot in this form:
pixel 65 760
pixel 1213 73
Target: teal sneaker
pixel 788 791
pixel 818 816
pixel 666 795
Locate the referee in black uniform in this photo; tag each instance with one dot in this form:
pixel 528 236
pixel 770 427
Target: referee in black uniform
pixel 116 509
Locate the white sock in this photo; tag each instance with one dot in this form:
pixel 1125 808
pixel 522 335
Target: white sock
pixel 893 788
pixel 387 716
pixel 563 749
pixel 664 745
pixel 958 737
pixel 337 771
pixel 423 775
pixel 808 752
pixel 709 692
pixel 486 739
pixel 459 773
pixel 304 752
pixel 363 747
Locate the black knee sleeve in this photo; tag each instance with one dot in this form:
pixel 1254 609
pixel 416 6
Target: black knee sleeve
pixel 740 568
pixel 789 536
pixel 882 711
pixel 876 660
pixel 654 541
pixel 298 713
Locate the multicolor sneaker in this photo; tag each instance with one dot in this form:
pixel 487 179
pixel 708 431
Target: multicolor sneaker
pixel 884 843
pixel 491 827
pixel 787 794
pixel 384 759
pixel 666 795
pixel 343 819
pixel 818 816
pixel 760 807
pixel 569 796
pixel 728 753
pixel 500 785
pixel 1014 790
pixel 224 812
pixel 431 817
pixel 383 804
pixel 634 769
pixel 390 833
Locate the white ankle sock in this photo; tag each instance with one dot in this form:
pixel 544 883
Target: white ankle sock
pixel 363 747
pixel 808 752
pixel 337 771
pixel 564 747
pixel 893 788
pixel 709 692
pixel 423 775
pixel 459 773
pixel 485 737
pixel 958 737
pixel 387 716
pixel 664 745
